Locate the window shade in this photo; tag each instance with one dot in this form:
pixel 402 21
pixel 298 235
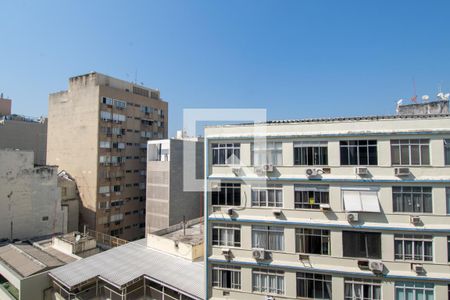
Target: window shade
pixel 361 201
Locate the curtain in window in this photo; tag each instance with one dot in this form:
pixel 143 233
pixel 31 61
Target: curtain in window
pixel 259 236
pixel 276 241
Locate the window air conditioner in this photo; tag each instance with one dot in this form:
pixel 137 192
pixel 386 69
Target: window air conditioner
pixel 418 268
pixel 402 172
pixel 325 206
pixel 376 266
pixel 362 171
pixel 236 171
pixel 363 264
pixel 352 217
pixel 258 253
pixel 415 220
pixel 267 168
pixel 230 211
pixel 277 213
pixel 226 252
pixel 313 172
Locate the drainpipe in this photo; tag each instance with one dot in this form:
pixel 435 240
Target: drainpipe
pixel 206 212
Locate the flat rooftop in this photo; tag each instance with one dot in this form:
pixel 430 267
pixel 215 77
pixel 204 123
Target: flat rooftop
pixel 75 237
pixel 124 264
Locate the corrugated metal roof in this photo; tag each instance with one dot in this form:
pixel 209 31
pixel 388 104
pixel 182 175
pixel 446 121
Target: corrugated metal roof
pixel 27 260
pixel 123 264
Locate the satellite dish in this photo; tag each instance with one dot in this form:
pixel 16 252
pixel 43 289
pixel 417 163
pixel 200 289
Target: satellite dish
pixel 425 98
pixel 446 96
pixel 399 102
pixel 77 238
pixel 440 96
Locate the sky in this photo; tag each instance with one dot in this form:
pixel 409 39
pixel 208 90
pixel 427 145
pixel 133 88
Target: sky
pixel 297 59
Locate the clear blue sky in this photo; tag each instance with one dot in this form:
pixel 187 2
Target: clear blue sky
pixel 296 58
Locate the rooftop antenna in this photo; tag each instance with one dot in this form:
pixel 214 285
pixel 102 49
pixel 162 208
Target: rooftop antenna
pixel 414 97
pixel 425 98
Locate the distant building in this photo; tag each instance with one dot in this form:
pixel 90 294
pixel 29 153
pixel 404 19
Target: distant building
pixel 70 201
pixel 5 106
pixel 424 108
pixel 168 203
pixel 98 132
pixel 24 133
pixel 30 203
pixel 166 265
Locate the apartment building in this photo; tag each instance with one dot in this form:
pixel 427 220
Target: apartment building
pixel 169 201
pixel 339 208
pixel 98 131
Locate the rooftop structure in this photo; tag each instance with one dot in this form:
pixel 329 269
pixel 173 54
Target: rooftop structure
pixel 5 106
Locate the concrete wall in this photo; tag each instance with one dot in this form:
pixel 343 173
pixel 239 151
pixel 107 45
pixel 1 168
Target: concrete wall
pixel 23 135
pixel 434 107
pixel 28 195
pixel 70 200
pixel 33 287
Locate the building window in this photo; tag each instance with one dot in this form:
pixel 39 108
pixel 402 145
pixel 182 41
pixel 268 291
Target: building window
pixel 447 151
pixel 228 194
pixel 361 153
pixel 45 218
pixel 361 244
pixel 311 153
pixel 310 197
pixel 120 104
pixel 312 241
pixel 104 189
pixel 270 153
pixel 227 277
pixel 414 291
pixel 413 247
pixel 268 281
pixel 228 235
pixel 105 145
pixel 410 152
pixel 271 196
pixel 355 288
pixel 106 100
pixel 268 237
pixel 226 154
pixel 447 196
pixel 64 192
pixel 412 199
pixel 360 200
pixel 313 286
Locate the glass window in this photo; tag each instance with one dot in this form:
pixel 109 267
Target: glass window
pixel 359 153
pixel 447 151
pixel 268 281
pixel 312 241
pixel 226 235
pixel 410 152
pixel 414 291
pixel 311 153
pixel 268 237
pixel 271 196
pixel 227 194
pixel 228 277
pixel 413 247
pixel 412 199
pixel 269 153
pixel 310 197
pixel 361 244
pixel 362 289
pixel 447 196
pixel 226 154
pixel 313 286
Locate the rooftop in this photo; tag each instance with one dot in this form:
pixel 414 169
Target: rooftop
pixel 191 233
pixel 26 260
pixel 75 237
pixel 124 264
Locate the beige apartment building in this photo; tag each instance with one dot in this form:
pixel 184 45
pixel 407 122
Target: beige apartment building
pixel 98 131
pixel 339 208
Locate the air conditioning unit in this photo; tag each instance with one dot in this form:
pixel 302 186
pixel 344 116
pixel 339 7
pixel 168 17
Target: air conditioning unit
pixel 267 168
pixel 325 206
pixel 226 252
pixel 313 172
pixel 259 171
pixel 363 264
pixel 418 268
pixel 352 217
pixel 277 213
pixel 269 298
pixel 303 256
pixel 362 171
pixel 402 172
pixel 376 266
pixel 236 171
pixel 230 211
pixel 259 253
pixel 415 220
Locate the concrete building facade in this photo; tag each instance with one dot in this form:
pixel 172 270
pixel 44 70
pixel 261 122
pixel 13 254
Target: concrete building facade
pixel 30 203
pixel 5 106
pixel 98 132
pixel 343 208
pixel 168 202
pixel 70 201
pixel 24 133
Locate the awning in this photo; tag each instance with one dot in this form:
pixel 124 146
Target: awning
pixel 361 201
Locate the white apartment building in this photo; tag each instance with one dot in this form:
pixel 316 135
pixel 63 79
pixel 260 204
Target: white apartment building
pixel 340 208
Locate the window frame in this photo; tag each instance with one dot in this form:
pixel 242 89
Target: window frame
pixel 414 240
pixel 358 282
pixel 315 279
pixel 358 145
pixel 321 194
pixel 234 273
pixel 399 191
pixel 220 150
pixel 317 149
pixel 269 232
pixel 414 286
pixel 275 190
pixel 267 153
pixel 367 246
pixel 302 233
pixel 225 231
pixel 225 186
pixel 266 275
pixel 396 144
